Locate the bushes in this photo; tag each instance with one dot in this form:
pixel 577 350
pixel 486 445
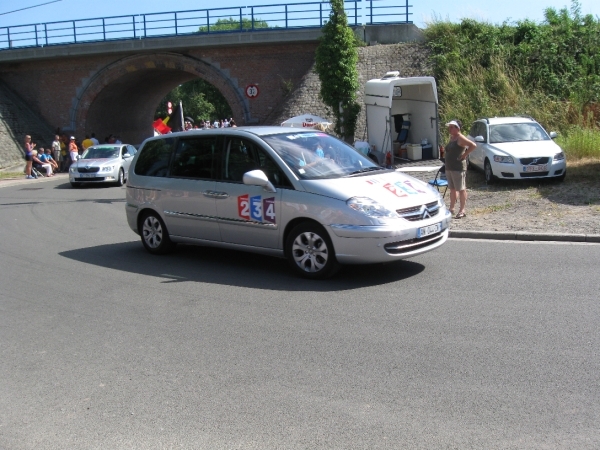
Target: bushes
pixel 550 71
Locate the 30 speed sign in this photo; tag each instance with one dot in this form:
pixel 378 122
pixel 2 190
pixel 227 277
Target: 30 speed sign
pixel 252 91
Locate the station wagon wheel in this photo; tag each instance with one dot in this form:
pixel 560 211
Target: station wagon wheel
pixel 310 251
pixel 487 171
pixel 121 178
pixel 154 234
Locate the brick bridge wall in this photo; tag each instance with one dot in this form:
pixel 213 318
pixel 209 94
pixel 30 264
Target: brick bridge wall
pixel 119 94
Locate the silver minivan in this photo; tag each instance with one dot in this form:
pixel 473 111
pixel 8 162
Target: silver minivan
pixel 299 194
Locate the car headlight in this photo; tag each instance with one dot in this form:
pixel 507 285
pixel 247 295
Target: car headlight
pixel 503 159
pixel 107 168
pixel 559 156
pixel 370 208
pixel 72 169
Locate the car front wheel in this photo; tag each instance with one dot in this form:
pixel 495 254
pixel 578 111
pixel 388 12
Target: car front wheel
pixel 154 234
pixel 489 174
pixel 310 251
pixel 121 178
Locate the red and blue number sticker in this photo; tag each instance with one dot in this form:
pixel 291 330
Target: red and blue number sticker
pixel 257 208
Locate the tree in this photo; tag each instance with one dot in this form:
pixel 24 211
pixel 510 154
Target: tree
pixel 336 59
pixel 201 101
pixel 232 24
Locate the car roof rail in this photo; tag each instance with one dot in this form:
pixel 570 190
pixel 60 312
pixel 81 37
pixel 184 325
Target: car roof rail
pixel 526 116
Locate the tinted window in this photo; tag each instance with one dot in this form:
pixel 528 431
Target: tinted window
pixel 154 158
pixel 196 158
pixel 243 155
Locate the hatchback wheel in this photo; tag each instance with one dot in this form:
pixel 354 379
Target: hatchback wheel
pixel 310 251
pixel 154 234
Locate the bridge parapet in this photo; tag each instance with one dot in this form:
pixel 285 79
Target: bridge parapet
pixel 264 18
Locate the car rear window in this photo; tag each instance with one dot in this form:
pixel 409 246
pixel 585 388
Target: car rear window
pixel 154 158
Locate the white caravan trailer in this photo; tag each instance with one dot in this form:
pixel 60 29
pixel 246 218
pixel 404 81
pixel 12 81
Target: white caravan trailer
pixel 391 100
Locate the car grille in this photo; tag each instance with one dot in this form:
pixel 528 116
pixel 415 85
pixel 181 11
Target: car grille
pixel 527 161
pixel 90 179
pixel 534 174
pixel 415 213
pixel 88 169
pixel 410 245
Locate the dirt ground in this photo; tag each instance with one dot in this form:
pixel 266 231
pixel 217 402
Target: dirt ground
pixel 546 206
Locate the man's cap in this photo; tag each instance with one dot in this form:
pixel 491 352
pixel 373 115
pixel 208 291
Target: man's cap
pixel 73 137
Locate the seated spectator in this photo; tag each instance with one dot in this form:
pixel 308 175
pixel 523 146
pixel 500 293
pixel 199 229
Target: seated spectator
pixel 39 164
pixel 51 160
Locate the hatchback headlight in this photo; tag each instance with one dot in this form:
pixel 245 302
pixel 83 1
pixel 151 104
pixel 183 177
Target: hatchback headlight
pixel 503 159
pixel 370 208
pixel 107 168
pixel 72 169
pixel 559 156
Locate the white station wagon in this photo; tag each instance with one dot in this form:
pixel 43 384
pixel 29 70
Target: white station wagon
pixel 515 148
pixel 298 194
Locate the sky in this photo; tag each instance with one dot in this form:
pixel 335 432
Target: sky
pixel 423 11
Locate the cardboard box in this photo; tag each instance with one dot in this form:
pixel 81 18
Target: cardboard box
pixel 414 151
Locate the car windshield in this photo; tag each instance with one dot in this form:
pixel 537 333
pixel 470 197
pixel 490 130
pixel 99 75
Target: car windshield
pixel 317 155
pixel 517 132
pixel 108 151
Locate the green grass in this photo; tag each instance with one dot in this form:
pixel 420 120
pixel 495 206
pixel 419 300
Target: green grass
pixel 580 143
pixel 4 175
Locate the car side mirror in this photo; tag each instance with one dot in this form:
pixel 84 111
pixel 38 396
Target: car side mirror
pixel 77 157
pixel 553 135
pixel 479 139
pixel 258 178
pixel 126 156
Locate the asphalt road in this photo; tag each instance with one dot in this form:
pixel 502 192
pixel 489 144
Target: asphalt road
pixel 480 344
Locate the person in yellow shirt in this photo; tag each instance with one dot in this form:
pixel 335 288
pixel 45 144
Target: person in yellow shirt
pixel 87 142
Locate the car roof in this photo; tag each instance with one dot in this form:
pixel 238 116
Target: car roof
pixel 232 131
pixel 502 120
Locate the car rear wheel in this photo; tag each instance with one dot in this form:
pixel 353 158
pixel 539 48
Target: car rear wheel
pixel 154 234
pixel 487 171
pixel 121 178
pixel 310 251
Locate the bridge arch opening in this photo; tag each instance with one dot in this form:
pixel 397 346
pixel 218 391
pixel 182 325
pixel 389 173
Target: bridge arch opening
pixel 122 98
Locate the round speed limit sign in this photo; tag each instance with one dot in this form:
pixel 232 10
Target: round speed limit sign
pixel 252 91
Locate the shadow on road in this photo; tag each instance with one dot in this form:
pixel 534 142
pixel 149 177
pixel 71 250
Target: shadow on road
pixel 231 268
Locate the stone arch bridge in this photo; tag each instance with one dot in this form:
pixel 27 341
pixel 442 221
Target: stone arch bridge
pixel 115 87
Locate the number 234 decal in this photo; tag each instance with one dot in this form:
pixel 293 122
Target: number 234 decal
pixel 257 208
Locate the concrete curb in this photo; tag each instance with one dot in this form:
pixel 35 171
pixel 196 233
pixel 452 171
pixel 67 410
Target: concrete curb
pixel 7 182
pixel 524 236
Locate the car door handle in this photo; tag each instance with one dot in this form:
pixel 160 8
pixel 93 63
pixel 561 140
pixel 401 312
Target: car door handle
pixel 215 194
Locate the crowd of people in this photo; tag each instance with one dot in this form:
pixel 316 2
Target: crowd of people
pixel 206 124
pixel 63 151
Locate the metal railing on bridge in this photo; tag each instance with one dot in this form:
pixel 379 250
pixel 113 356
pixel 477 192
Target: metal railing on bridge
pixel 202 21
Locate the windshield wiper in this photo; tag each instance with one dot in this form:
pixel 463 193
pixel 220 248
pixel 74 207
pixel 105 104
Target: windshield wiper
pixel 366 169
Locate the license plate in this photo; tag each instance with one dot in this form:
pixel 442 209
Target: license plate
pixel 430 229
pixel 88 175
pixel 538 168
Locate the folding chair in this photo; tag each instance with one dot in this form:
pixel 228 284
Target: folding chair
pixel 439 182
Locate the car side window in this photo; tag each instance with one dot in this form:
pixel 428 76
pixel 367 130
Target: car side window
pixel 154 158
pixel 242 155
pixel 482 131
pixel 474 128
pixel 131 150
pixel 196 157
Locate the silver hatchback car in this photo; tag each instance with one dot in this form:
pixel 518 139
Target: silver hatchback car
pixel 298 194
pixel 104 163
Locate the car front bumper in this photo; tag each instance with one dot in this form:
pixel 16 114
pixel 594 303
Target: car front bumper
pixel 374 244
pixel 517 172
